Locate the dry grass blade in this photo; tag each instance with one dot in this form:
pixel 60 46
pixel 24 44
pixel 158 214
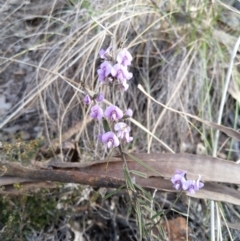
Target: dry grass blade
pixel 151 134
pixel 227 130
pixel 217 192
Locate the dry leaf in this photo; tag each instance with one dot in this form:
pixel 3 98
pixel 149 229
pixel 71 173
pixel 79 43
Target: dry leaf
pixel 161 167
pixel 176 229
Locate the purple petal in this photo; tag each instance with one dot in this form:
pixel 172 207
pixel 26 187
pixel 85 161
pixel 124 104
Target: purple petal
pixel 101 75
pixel 127 75
pixel 87 100
pixel 129 112
pixel 187 184
pixel 107 67
pixel 198 183
pixel 177 186
pixel 124 57
pixel 104 71
pixel 191 186
pixel 178 181
pixel 191 190
pixel 127 138
pixel 120 72
pixel 117 71
pixel 100 97
pixel 113 113
pixel 110 139
pixel 103 53
pixel 120 126
pixel 123 130
pixel 96 112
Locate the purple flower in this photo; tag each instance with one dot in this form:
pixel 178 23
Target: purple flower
pixel 104 71
pixel 178 179
pixel 113 113
pixel 121 128
pixel 193 185
pixel 87 100
pixel 96 112
pixel 110 139
pixel 100 97
pixel 102 52
pixel 180 182
pixel 120 72
pixel 124 57
pixel 129 112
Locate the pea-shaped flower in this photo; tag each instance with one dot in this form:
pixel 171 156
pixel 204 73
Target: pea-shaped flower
pixel 110 139
pixel 121 128
pixel 104 71
pixel 178 180
pixel 193 185
pixel 96 112
pixel 120 72
pixel 113 113
pixel 124 57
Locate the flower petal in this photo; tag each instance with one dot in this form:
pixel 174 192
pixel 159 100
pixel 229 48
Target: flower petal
pixel 87 100
pixel 113 113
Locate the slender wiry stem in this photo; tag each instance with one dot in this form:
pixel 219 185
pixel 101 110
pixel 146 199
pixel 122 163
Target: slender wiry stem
pixel 224 94
pixel 170 207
